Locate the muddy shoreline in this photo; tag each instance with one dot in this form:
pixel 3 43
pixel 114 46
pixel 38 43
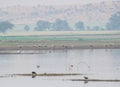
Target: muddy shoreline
pixel 36 46
pixel 32 50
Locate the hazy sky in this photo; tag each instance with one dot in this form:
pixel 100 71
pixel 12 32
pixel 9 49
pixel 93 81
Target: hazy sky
pixel 46 2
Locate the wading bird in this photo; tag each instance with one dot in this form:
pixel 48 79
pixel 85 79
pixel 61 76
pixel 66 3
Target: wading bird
pixel 86 78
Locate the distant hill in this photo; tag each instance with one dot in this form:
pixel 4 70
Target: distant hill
pixel 90 14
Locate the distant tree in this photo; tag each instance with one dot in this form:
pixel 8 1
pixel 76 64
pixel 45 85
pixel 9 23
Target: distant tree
pixel 114 22
pixel 79 25
pixel 42 25
pixel 103 29
pixel 96 28
pixel 61 25
pixel 88 27
pixel 26 28
pixel 5 25
pixel 35 14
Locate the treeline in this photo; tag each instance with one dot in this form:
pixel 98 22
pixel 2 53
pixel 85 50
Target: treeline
pixel 57 25
pixel 63 25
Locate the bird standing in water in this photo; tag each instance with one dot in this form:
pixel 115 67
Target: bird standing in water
pixel 34 74
pixel 86 78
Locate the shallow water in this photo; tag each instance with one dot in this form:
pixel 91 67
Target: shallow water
pixel 96 64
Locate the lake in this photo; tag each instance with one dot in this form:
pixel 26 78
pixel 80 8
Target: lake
pixel 93 63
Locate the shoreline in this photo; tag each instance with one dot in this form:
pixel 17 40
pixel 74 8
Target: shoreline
pixel 38 50
pixel 59 41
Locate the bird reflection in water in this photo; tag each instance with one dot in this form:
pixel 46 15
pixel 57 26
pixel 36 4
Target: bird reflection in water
pixel 86 79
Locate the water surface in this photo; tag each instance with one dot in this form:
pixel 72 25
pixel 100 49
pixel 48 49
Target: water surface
pixel 96 64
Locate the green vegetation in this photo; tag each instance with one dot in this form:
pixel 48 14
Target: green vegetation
pixel 34 38
pixel 56 38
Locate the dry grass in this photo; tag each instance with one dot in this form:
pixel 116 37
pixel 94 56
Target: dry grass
pixel 58 33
